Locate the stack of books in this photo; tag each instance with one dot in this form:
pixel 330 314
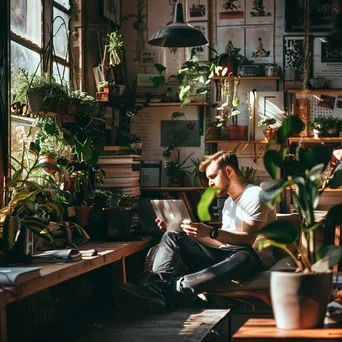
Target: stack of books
pixel 122 171
pixel 146 92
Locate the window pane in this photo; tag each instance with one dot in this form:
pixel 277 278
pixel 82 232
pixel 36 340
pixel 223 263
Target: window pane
pixel 64 3
pixel 61 72
pixel 21 57
pixel 26 19
pixel 60 32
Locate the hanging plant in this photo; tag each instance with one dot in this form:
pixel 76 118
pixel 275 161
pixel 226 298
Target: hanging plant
pixel 115 48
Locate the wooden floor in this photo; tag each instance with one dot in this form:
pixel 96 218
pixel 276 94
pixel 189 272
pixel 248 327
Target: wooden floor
pixel 181 325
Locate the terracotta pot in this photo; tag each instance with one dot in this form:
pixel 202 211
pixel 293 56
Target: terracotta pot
pixel 213 133
pixel 48 158
pixel 318 133
pixel 82 215
pixel 299 300
pixel 237 132
pixel 270 133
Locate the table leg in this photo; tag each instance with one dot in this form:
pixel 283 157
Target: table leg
pixel 3 323
pixel 229 327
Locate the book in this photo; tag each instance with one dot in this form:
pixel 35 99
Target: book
pixel 57 255
pixel 13 276
pixel 89 252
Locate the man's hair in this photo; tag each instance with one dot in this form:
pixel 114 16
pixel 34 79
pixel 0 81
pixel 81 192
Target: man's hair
pixel 222 159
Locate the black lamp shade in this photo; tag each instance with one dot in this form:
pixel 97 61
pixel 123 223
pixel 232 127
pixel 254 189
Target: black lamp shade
pixel 335 37
pixel 178 34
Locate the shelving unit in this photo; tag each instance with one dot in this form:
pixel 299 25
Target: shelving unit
pixel 236 141
pixel 315 140
pixel 170 104
pixel 172 188
pixel 315 91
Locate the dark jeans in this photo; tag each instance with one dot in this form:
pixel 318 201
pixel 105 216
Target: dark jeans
pixel 204 264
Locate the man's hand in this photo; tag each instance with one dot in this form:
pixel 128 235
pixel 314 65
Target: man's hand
pixel 197 230
pixel 160 224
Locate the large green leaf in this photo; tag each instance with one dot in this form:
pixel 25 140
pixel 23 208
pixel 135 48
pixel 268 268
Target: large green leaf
pixel 328 256
pixel 272 189
pixel 334 216
pixel 291 125
pixel 204 203
pixel 11 231
pixel 272 161
pixel 316 171
pixel 38 226
pixel 281 232
pixel 310 157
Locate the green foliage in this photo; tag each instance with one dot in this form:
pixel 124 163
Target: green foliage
pixel 266 122
pixel 22 82
pixel 105 199
pixel 115 48
pixel 176 166
pixel 301 174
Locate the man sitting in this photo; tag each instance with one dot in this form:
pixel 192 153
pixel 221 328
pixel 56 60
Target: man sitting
pixel 233 253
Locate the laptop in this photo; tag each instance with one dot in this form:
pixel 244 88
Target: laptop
pixel 171 212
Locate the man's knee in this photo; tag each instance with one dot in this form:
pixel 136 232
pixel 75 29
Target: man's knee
pixel 170 235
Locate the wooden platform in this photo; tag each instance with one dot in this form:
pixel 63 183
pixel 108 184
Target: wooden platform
pixel 181 325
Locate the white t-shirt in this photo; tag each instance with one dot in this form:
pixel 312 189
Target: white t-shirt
pixel 246 208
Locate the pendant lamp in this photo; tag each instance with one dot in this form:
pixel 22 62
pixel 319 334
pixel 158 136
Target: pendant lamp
pixel 334 38
pixel 178 34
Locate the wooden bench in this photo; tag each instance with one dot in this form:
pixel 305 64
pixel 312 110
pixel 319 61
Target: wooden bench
pixel 53 274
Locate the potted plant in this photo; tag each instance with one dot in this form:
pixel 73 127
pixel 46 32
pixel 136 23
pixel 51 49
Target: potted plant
pixel 214 130
pixel 42 93
pixel 269 132
pixel 299 298
pixel 248 173
pixel 176 169
pixel 110 214
pixel 32 206
pixel 332 126
pixel 197 175
pixel 294 295
pixel 81 102
pixel 229 111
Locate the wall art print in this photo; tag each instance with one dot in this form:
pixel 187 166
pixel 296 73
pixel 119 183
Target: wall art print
pixel 112 10
pixel 322 13
pixel 197 10
pixel 234 34
pixel 260 44
pixel 293 52
pixel 230 12
pixel 259 12
pixel 202 52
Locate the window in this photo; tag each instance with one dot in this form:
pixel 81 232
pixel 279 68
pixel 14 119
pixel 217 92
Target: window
pixel 32 22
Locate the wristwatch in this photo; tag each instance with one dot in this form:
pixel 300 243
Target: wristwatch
pixel 214 233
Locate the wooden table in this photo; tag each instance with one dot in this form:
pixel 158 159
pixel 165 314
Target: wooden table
pixel 53 274
pixel 265 330
pixel 187 325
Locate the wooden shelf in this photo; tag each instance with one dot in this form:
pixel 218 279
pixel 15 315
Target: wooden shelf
pixel 261 78
pixel 314 140
pixel 171 188
pixel 170 104
pixel 314 91
pixel 237 141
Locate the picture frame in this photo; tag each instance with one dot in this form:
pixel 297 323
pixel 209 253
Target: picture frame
pixel 112 11
pixel 259 14
pixel 202 51
pixel 230 16
pixel 173 2
pixel 322 14
pixel 148 58
pixel 196 10
pixel 235 34
pixel 327 61
pixel 260 44
pixel 293 61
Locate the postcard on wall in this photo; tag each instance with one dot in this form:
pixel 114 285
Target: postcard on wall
pixel 230 12
pixel 196 10
pixel 148 58
pixel 260 44
pixel 326 101
pixel 293 51
pixel 226 34
pixel 202 52
pixel 327 61
pixel 259 12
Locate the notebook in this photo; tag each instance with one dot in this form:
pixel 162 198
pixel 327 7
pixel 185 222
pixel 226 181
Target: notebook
pixel 171 212
pixel 13 276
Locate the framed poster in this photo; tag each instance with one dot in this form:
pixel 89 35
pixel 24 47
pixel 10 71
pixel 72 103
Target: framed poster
pixel 196 10
pixel 176 132
pixel 235 35
pixel 293 53
pixel 148 58
pixel 259 12
pixel 260 44
pixel 230 12
pixel 322 13
pixel 202 51
pixel 112 10
pixel 327 61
